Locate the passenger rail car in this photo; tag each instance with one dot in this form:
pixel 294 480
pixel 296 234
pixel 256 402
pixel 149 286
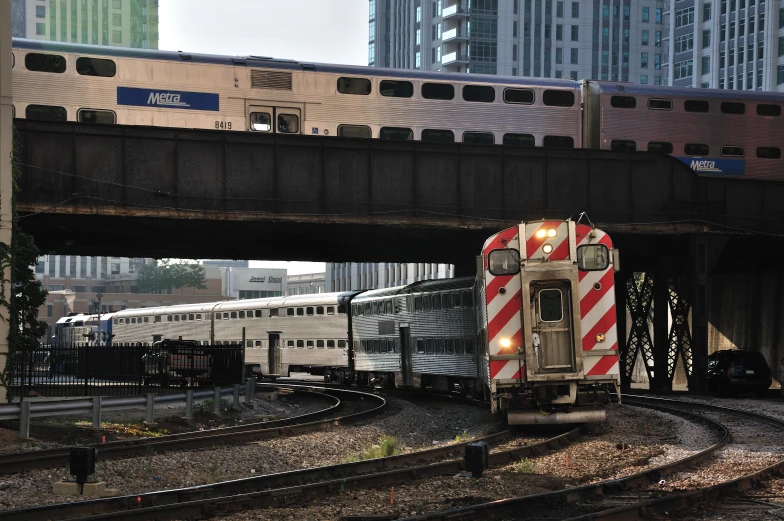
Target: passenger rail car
pixel 715 132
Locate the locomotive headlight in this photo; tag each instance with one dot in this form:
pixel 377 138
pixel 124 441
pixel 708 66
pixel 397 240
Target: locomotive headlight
pixel 541 234
pixel 547 248
pixel 552 233
pixel 600 337
pixel 505 342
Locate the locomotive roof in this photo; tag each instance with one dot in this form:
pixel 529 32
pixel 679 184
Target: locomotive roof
pixel 619 89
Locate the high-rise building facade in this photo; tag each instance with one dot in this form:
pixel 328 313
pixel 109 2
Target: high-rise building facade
pixel 345 276
pixel 119 23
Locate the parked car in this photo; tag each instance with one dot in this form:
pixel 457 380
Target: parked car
pixel 734 371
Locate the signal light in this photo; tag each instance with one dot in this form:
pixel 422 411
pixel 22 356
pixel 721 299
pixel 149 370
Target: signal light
pixel 547 248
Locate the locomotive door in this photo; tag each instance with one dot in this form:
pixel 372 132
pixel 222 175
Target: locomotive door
pixel 273 119
pixel 273 353
pixel 552 328
pixel 405 355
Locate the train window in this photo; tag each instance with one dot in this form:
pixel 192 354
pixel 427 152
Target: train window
pixel 300 312
pixel 593 257
pixel 45 62
pixel 732 151
pixel 217 317
pixel 290 343
pixel 359 86
pixel 320 344
pixel 519 140
pixel 96 117
pixel 242 314
pixel 733 107
pixel 176 318
pixel 191 316
pixel 249 343
pixel 427 301
pixel 550 305
pixel 429 346
pixel 504 262
pixel 184 317
pixel 449 345
pixel 479 93
pixel 396 134
pixel 96 67
pixel 623 145
pixel 320 310
pixel 430 135
pixel 768 110
pixel 290 312
pixel 300 343
pixel 769 152
pixel 443 91
pixel 468 301
pixel 623 102
pixel 420 343
pixel 342 343
pixel 234 314
pixel 661 147
pixel 257 313
pixel 459 346
pixel 46 113
pixel 260 121
pixel 660 104
pixel 258 343
pixel 362 346
pixel 330 344
pixel 358 309
pixel 288 123
pixel 309 311
pixel 158 318
pixel 558 98
pixel 693 105
pixel 446 301
pixel 524 96
pixel 696 149
pixel 330 310
pixel 384 346
pixel 226 316
pixel 455 299
pixel 273 312
pixel 469 346
pixel 366 308
pixel 418 303
pixel 341 309
pixel 479 138
pixel 388 307
pixel 558 141
pixel 309 344
pixel 356 131
pixel 436 302
pixel 396 89
pixel 133 320
pixel 198 317
pixel 439 346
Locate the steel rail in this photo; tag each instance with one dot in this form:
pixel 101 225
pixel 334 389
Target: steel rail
pixel 272 489
pixel 48 458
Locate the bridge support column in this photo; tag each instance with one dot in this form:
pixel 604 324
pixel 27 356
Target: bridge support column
pixel 639 291
pixel 699 315
pixel 6 174
pixel 620 315
pixel 661 382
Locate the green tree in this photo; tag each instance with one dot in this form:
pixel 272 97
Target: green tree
pixel 167 275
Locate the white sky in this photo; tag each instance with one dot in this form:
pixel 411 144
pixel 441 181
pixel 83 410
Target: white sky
pixel 321 31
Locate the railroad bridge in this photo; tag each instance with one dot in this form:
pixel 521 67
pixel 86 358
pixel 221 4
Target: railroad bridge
pixel 711 249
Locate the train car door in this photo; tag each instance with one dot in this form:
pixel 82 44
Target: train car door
pixel 405 355
pixel 273 353
pixel 552 328
pixel 274 119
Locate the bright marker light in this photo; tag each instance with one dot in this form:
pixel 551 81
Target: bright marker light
pixel 600 337
pixel 552 233
pixel 505 342
pixel 541 234
pixel 547 248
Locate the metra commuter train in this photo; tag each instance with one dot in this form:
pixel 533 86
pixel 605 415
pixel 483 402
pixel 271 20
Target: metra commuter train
pixel 715 132
pixel 534 331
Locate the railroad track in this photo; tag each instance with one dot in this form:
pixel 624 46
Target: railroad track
pixel 49 458
pixel 274 489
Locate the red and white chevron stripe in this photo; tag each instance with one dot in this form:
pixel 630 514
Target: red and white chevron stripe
pixel 535 241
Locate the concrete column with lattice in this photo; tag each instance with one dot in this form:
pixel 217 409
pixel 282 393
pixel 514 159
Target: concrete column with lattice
pixel 6 145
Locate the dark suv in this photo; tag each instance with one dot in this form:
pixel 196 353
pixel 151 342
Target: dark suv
pixel 734 371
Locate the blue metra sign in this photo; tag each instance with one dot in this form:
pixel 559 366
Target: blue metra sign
pixel 712 166
pixel 168 99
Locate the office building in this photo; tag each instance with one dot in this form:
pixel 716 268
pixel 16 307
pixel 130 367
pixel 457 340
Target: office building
pixel 118 23
pixel 344 276
pixel 306 284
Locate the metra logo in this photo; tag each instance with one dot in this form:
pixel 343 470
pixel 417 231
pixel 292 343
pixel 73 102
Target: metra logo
pixel 704 166
pixel 168 99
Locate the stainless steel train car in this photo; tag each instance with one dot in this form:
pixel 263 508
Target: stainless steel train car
pixel 715 132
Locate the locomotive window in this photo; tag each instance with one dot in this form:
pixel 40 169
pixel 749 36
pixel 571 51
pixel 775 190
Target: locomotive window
pixel 46 113
pixel 354 86
pixel 300 312
pixel 260 121
pixel 396 89
pixel 330 344
pixel 732 107
pixel 420 346
pixel 661 147
pixel 593 257
pixel 439 346
pixel 242 314
pixel 429 346
pixel 450 346
pixel 320 310
pixel 520 140
pixel 443 91
pixel 524 96
pixel 479 93
pixel 96 117
pixel 234 314
pixel 436 302
pixel 696 149
pixel 768 152
pixel 309 311
pixel 396 134
pixel 768 110
pixel 558 98
pixel 257 313
pixel 96 67
pixel 320 344
pixel 288 123
pixel 300 343
pixel 459 346
pixel 418 303
pixel 623 102
pixel 469 346
pixel 468 302
pixel 550 305
pixel 732 151
pixel 384 346
pixel 692 105
pixel 623 145
pixel 45 62
pixel 660 104
pixel 558 141
pixel 455 299
pixel 290 312
pixel 479 138
pixel 342 343
pixel 504 262
pixel 356 131
pixel 330 310
pixel 309 344
pixel 430 135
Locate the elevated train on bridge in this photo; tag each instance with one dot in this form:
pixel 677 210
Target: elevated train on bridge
pixel 534 332
pixel 715 132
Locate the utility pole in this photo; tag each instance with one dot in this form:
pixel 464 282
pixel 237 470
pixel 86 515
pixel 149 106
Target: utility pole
pixel 6 174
